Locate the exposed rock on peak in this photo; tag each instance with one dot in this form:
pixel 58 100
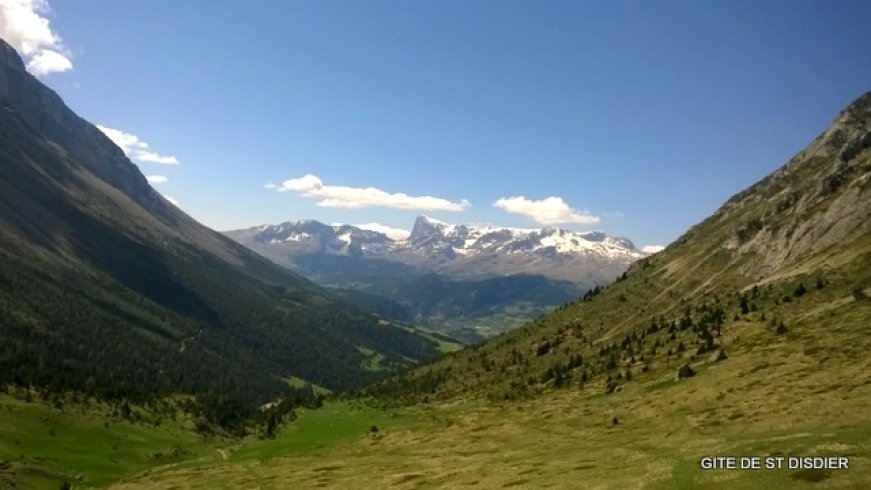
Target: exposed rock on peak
pixel 426 229
pixel 819 199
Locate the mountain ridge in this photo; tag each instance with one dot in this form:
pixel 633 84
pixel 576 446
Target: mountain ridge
pixel 108 289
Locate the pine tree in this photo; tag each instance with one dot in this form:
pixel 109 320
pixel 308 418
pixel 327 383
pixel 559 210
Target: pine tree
pixel 799 291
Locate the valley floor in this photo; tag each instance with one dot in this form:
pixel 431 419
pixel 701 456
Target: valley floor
pixel 566 440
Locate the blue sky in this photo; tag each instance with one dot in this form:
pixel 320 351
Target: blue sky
pixel 638 118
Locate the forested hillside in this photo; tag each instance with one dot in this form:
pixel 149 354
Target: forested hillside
pixel 107 290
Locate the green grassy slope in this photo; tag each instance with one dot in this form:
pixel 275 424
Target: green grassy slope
pixel 807 224
pixel 43 446
pixel 562 440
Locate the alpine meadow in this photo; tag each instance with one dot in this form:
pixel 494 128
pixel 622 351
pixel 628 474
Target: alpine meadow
pixel 514 336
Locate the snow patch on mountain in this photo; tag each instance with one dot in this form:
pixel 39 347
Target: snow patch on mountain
pixel 395 234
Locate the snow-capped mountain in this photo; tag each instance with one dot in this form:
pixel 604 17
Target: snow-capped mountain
pixel 463 251
pixel 310 236
pixel 478 240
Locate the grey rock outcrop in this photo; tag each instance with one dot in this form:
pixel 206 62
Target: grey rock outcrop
pixel 827 175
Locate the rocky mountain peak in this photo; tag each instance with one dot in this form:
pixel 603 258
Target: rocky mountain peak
pixel 426 229
pixel 850 135
pixel 816 201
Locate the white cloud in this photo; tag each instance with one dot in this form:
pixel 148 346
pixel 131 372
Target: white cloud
pixel 652 249
pixel 392 233
pixel 126 141
pixel 306 183
pixel 25 26
pixel 134 148
pixel 156 179
pixel 336 196
pixel 151 157
pixel 550 211
pixel 171 200
pixel 48 61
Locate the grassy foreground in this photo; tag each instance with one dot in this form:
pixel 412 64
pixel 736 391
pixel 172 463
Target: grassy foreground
pixel 42 447
pixel 561 439
pixel 799 394
pixel 566 439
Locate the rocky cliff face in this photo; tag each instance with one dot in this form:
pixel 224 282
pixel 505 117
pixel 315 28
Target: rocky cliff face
pixel 818 200
pixel 79 159
pixel 43 110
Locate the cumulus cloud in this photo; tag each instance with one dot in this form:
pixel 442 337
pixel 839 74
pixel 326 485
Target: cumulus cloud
pixel 156 179
pixel 336 196
pixel 48 61
pixel 136 149
pixel 392 233
pixel 24 25
pixel 171 200
pixel 549 211
pixel 151 157
pixel 652 249
pixel 306 183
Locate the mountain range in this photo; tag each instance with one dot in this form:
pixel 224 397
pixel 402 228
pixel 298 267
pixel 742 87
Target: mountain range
pixel 457 251
pixel 472 281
